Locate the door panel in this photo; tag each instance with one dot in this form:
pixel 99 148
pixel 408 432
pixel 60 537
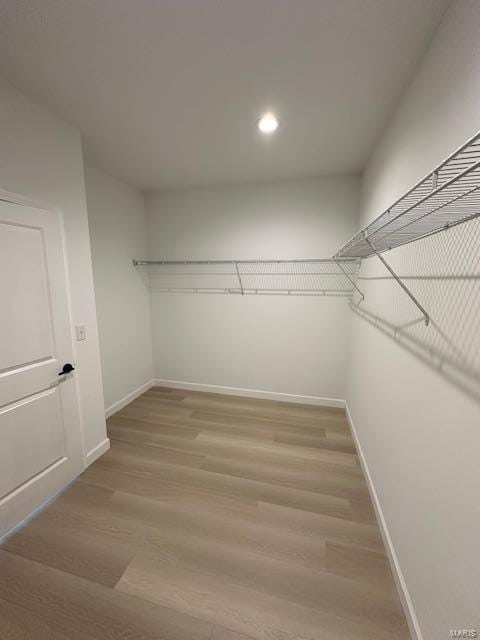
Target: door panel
pixel 37 420
pixel 41 448
pixel 27 331
pixel 18 382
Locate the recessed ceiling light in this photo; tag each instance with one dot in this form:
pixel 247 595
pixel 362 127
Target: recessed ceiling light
pixel 268 123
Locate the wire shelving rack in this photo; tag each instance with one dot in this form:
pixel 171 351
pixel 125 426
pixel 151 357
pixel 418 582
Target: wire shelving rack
pixel 309 277
pixel 447 196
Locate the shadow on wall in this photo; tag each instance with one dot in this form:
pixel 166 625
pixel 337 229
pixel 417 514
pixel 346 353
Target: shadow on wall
pixel 443 272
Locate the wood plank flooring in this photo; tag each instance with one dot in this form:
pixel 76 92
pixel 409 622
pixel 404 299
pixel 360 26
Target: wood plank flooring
pixel 211 517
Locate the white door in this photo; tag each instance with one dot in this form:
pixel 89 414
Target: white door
pixel 40 438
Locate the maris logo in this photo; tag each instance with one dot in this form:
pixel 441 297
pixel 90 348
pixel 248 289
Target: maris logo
pixel 463 633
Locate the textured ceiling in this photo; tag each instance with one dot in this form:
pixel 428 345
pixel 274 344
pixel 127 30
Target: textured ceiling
pixel 167 92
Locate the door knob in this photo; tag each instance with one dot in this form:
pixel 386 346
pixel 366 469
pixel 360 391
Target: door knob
pixel 67 368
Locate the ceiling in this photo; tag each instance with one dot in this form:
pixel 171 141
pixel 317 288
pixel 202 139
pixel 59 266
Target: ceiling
pixel 167 92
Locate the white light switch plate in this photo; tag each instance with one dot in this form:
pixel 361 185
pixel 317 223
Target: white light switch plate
pixel 80 332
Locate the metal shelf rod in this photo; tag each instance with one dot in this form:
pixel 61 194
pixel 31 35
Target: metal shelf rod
pixel 354 284
pixel 239 278
pixel 265 292
pixel 138 263
pixel 400 282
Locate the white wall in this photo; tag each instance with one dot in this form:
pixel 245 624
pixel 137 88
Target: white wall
pixel 419 431
pixel 277 344
pixel 41 159
pixel 118 235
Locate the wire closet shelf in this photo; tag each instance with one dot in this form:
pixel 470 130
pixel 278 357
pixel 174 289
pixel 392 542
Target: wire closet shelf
pixel 448 196
pixel 313 277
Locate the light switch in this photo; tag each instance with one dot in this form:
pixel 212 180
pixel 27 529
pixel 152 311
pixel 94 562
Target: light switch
pixel 80 332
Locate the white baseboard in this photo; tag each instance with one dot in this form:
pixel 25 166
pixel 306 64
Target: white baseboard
pixel 98 451
pixel 249 393
pixel 23 523
pixel 116 406
pixel 401 585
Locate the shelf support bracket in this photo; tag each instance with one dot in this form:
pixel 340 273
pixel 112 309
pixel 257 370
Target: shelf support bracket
pixel 349 278
pixel 239 278
pixel 400 282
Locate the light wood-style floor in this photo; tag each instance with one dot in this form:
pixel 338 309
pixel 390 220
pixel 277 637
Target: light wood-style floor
pixel 211 517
